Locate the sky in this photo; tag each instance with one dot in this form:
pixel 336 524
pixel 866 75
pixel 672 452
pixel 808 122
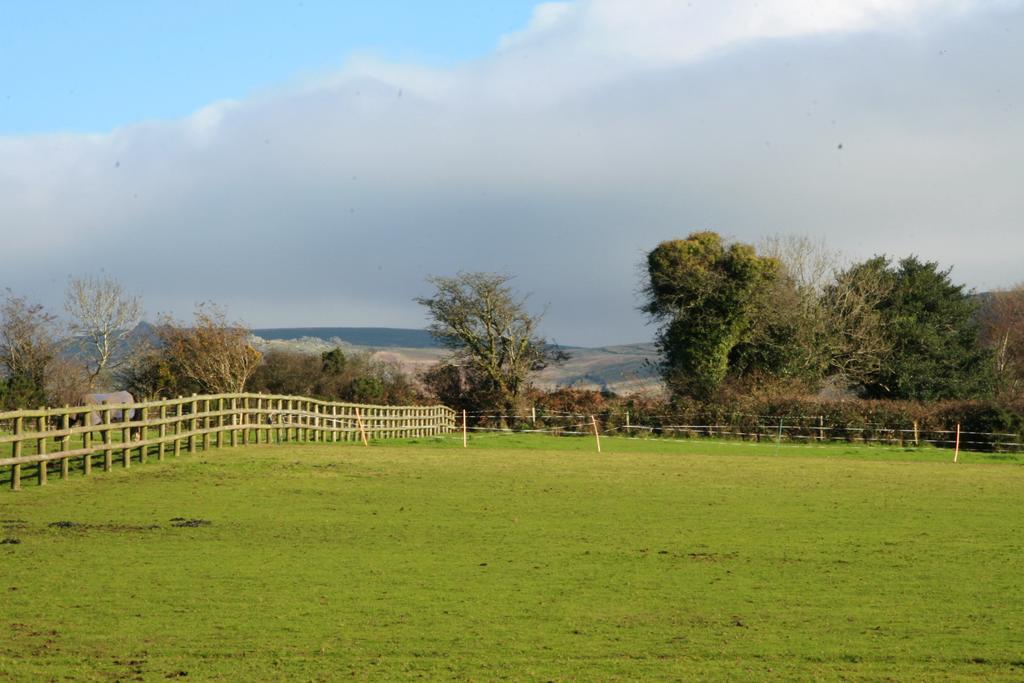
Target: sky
pixel 310 164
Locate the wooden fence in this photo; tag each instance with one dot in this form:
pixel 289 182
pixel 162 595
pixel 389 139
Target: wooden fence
pixel 137 431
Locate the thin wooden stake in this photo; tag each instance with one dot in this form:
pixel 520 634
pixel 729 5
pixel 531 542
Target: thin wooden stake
pixel 234 423
pixel 178 425
pixel 108 451
pixel 597 435
pixel 19 427
pixel 465 438
pixel 362 430
pixel 126 439
pixel 956 451
pixel 162 432
pixel 86 445
pixel 334 423
pixel 65 441
pixel 41 447
pixel 192 410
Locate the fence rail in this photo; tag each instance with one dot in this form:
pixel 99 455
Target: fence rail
pixel 45 437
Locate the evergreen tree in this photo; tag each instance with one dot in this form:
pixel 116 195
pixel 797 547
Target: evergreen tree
pixel 933 333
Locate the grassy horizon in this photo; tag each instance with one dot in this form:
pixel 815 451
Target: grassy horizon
pixel 520 558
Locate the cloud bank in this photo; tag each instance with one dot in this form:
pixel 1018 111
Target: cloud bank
pixel 599 130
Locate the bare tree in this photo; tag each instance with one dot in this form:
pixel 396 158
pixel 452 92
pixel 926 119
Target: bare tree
pixel 486 324
pixel 103 316
pixel 67 382
pixel 856 343
pixel 808 262
pixel 28 346
pixel 1002 330
pixel 214 353
pixel 837 329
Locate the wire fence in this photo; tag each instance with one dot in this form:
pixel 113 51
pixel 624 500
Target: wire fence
pixel 793 429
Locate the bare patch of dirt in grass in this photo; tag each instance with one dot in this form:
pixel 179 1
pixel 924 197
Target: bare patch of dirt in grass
pixel 115 527
pixel 189 523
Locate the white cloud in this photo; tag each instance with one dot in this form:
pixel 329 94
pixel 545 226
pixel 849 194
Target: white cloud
pixel 548 18
pixel 584 140
pixel 676 31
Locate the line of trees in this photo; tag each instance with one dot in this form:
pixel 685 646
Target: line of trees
pixel 102 346
pixel 786 318
pixel 790 317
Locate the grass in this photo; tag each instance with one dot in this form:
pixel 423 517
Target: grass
pixel 520 558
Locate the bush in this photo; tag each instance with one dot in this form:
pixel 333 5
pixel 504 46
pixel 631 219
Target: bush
pixel 333 376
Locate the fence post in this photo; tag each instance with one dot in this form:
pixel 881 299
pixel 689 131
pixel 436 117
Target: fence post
pixel 19 423
pixel 821 428
pixel 193 406
pixel 143 435
pixel 87 444
pixel 65 442
pixel 917 434
pixel 41 446
pixel 259 419
pixel 597 435
pixel 234 421
pixel 302 421
pixel 956 451
pixel 207 437
pixel 276 419
pixel 245 420
pixel 286 416
pixel 253 419
pixel 313 433
pixel 318 423
pixel 161 447
pixel 219 440
pixel 126 439
pixel 108 451
pixel 260 425
pixel 177 427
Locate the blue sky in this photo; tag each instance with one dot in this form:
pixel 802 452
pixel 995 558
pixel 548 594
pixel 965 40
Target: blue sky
pixel 311 164
pixel 93 66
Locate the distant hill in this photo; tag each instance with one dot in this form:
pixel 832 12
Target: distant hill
pixel 377 337
pixel 625 369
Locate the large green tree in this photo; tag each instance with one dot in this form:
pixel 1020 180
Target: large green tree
pixel 705 293
pixel 932 334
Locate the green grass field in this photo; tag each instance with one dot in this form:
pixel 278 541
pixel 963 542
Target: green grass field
pixel 522 558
